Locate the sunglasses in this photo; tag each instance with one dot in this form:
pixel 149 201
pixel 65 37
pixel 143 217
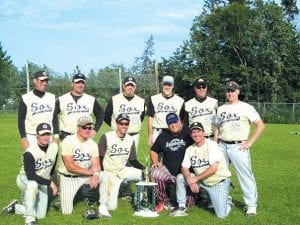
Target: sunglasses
pixel 124 124
pixel 87 128
pixel 201 87
pixel 229 90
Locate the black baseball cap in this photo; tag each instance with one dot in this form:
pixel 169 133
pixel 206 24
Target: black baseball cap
pixel 41 75
pixel 79 77
pixel 200 83
pixel 43 128
pixel 196 125
pixel 129 80
pixel 172 118
pixel 122 116
pixel 232 85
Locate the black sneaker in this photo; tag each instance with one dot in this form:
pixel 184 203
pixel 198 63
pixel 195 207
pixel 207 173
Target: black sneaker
pixel 11 207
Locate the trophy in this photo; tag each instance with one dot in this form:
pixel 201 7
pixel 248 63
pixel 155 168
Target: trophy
pixel 146 171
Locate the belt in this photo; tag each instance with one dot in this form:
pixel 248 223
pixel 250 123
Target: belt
pixel 231 142
pixel 158 129
pixel 69 175
pixel 209 136
pixel 133 133
pixel 212 185
pixel 65 133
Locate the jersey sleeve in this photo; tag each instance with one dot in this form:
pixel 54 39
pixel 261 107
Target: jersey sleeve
pixel 252 114
pixel 66 147
pixel 214 153
pixel 186 162
pixel 102 145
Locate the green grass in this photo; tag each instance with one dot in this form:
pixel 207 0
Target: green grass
pixel 275 161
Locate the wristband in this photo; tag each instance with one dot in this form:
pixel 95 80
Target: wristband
pixel 56 136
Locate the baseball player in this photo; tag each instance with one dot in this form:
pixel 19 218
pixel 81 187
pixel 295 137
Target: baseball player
pixel 35 107
pixel 71 106
pixel 80 165
pixel 171 144
pixel 116 148
pixel 202 108
pixel 34 178
pixel 159 106
pixel 210 173
pixel 233 127
pixel 74 104
pixel 131 104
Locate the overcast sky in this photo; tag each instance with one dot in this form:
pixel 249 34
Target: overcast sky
pixel 92 33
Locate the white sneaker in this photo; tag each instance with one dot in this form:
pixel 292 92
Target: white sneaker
pixel 251 211
pixel 103 212
pixel 181 211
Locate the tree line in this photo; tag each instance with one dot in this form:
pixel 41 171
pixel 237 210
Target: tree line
pixel 255 43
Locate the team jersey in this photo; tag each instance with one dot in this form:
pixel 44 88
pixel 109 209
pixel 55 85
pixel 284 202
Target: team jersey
pixel 163 106
pixel 43 161
pixel 200 158
pixel 70 111
pixel 203 112
pixel 234 120
pixel 82 152
pixel 39 110
pixel 118 151
pixel 134 108
pixel 172 148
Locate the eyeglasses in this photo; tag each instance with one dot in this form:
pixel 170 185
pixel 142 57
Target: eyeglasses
pixel 124 124
pixel 87 127
pixel 230 91
pixel 201 87
pixel 80 82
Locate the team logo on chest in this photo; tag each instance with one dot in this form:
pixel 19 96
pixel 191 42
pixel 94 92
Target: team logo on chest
pixel 199 163
pixel 76 108
pixel 175 144
pixel 116 150
pixel 226 117
pixel 128 109
pixel 200 111
pixel 165 108
pixel 43 164
pixel 37 108
pixel 80 156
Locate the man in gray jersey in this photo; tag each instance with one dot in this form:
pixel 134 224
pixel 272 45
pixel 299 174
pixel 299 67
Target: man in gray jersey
pixel 34 178
pixel 35 107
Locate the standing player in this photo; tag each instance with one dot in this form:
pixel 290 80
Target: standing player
pixel 74 104
pixel 116 148
pixel 171 144
pixel 80 165
pixel 159 106
pixel 202 108
pixel 131 104
pixel 233 127
pixel 211 173
pixel 34 178
pixel 35 107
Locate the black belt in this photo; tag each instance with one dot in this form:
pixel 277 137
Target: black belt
pixel 69 175
pixel 133 133
pixel 209 136
pixel 216 183
pixel 231 142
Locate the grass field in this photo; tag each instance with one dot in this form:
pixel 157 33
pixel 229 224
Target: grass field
pixel 275 161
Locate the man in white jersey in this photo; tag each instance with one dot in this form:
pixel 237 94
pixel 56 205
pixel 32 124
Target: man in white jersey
pixel 232 133
pixel 116 148
pixel 72 105
pixel 35 107
pixel 159 106
pixel 210 173
pixel 80 165
pixel 202 108
pixel 34 178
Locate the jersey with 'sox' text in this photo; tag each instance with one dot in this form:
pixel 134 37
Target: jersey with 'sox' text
pixel 82 152
pixel 39 110
pixel 43 161
pixel 163 106
pixel 203 112
pixel 117 152
pixel 134 109
pixel 200 158
pixel 234 120
pixel 71 111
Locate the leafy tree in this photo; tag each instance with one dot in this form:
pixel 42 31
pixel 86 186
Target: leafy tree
pixel 290 7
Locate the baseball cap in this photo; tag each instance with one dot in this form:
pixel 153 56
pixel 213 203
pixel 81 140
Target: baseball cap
pixel 196 125
pixel 43 128
pixel 129 80
pixel 79 77
pixel 200 83
pixel 84 120
pixel 168 80
pixel 171 118
pixel 232 85
pixel 41 75
pixel 122 116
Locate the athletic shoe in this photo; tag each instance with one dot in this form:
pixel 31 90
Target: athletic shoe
pixel 127 198
pixel 31 223
pixel 251 210
pixel 229 201
pixel 159 207
pixel 169 207
pixel 181 211
pixel 11 207
pixel 103 212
